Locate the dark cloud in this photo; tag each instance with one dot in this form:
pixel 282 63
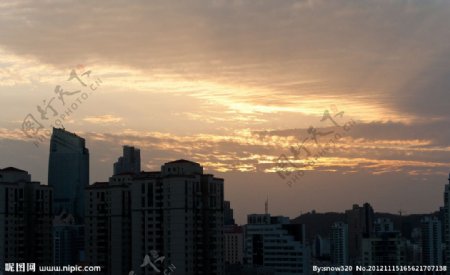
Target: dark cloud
pixel 437 132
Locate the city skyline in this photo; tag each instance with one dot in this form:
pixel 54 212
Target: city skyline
pixel 234 85
pixel 148 212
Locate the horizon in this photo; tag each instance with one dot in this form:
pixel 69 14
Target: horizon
pixel 241 218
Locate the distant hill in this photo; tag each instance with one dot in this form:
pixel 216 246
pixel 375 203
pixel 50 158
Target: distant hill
pixel 320 223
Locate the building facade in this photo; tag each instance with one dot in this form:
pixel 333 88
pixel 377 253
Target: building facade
pixel 228 213
pixel 360 225
pixel 129 162
pixel 446 227
pixel 432 252
pixel 68 241
pixel 339 244
pixel 176 212
pixel 276 243
pixel 68 173
pixel 383 225
pixel 233 244
pixel 386 249
pixel 108 225
pixel 25 219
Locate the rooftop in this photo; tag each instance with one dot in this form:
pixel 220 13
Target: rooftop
pixel 182 161
pixel 12 169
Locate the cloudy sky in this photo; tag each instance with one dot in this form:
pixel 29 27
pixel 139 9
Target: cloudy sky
pixel 236 84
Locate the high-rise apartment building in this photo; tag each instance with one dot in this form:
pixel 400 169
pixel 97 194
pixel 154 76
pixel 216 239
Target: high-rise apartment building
pixel 176 212
pixel 360 225
pixel 25 219
pixel 68 172
pixel 108 225
pixel 339 244
pixel 385 249
pixel 431 241
pixel 233 244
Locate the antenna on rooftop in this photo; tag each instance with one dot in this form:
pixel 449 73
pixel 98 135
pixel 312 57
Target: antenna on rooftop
pixel 267 205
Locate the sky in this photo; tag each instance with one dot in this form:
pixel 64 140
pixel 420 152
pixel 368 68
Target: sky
pixel 313 104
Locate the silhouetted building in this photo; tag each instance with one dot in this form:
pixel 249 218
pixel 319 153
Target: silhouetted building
pixel 68 241
pixel 386 249
pixel 130 162
pixel 228 214
pixel 431 241
pixel 25 219
pixel 68 175
pixel 321 247
pixel 447 224
pixel 339 244
pixel 238 269
pixel 383 225
pixel 108 225
pixel 275 243
pixel 177 212
pixel 68 172
pixel 360 224
pixel 441 217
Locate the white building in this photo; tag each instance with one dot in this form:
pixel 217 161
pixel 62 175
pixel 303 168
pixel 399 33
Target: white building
pixel 274 242
pixel 339 244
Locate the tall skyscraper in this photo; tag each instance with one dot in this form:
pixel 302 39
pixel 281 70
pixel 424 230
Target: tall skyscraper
pixel 360 225
pixel 25 219
pixel 177 212
pixel 68 172
pixel 431 241
pixel 130 162
pixel 276 243
pixel 339 244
